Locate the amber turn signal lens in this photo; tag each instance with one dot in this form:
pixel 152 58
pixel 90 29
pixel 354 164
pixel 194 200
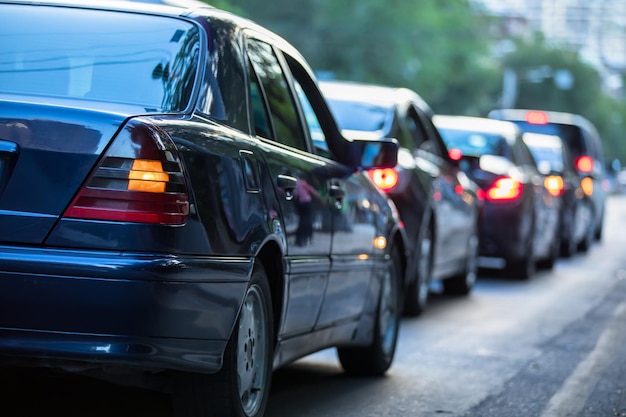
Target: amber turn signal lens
pixel 554 185
pixel 587 185
pixel 147 176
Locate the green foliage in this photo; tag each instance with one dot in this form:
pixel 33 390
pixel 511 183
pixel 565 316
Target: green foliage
pixel 536 65
pixel 439 48
pixel 435 47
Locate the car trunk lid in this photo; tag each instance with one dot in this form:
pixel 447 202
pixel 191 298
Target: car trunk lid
pixel 46 153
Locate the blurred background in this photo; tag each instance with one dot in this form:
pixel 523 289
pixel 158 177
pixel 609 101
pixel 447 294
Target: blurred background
pixel 470 56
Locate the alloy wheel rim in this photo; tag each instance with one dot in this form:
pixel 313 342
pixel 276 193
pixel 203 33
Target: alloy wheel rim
pixel 472 262
pixel 388 314
pixel 251 351
pixel 424 269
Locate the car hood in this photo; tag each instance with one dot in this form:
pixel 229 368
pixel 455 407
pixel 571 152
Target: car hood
pixel 46 153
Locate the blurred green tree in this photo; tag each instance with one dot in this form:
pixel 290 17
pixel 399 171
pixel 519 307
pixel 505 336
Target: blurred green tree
pixel 555 78
pixel 435 47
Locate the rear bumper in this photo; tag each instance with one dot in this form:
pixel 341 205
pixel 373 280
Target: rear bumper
pixel 141 310
pixel 504 230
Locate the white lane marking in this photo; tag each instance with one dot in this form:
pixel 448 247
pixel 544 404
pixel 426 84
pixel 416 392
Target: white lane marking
pixel 572 396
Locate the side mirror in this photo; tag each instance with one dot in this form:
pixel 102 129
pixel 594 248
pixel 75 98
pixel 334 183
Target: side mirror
pixel 372 154
pixel 368 150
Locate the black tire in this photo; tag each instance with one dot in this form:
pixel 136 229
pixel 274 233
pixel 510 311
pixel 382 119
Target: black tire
pixel 597 236
pixel 375 359
pixel 241 388
pixel 568 242
pixel 525 267
pixel 416 298
pixel 555 249
pixel 463 283
pixel 587 242
pixel 568 247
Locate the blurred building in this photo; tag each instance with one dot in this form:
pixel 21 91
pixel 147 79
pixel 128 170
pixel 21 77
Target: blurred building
pixel 596 28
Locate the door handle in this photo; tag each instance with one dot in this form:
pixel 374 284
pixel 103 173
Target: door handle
pixel 337 194
pixel 287 183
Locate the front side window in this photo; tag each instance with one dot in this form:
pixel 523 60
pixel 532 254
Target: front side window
pixel 133 59
pixel 313 123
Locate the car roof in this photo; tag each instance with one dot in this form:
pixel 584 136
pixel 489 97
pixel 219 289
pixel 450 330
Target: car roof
pixel 380 95
pixel 542 140
pixel 478 124
pixel 174 8
pixel 557 117
pixel 162 7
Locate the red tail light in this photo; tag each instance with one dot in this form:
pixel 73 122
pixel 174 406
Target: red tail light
pixel 504 188
pixel 536 117
pixel 584 164
pixel 455 154
pixel 139 179
pixel 385 179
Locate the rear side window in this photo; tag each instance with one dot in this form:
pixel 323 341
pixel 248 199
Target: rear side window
pixel 133 59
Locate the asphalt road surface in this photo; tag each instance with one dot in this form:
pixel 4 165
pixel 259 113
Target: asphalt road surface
pixel 553 346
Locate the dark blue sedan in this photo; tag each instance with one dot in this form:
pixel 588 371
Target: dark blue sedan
pixel 519 220
pixel 437 202
pixel 166 214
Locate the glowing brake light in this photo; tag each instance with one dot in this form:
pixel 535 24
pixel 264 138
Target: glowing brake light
pixel 584 164
pixel 537 117
pixel 455 154
pixel 554 185
pixel 504 188
pixel 139 179
pixel 386 179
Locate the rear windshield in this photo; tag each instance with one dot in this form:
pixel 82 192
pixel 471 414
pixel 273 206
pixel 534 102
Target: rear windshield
pixel 568 133
pixel 472 143
pixel 134 59
pixel 550 156
pixel 360 116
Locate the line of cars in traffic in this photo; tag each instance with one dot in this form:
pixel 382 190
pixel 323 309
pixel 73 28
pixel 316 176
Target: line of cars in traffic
pixel 184 205
pixel 517 189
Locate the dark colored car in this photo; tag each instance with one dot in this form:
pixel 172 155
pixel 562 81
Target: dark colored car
pixel 519 217
pixel 562 181
pixel 166 214
pixel 436 200
pixel 586 151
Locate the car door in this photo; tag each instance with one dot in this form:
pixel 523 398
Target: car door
pixel 301 180
pixel 454 216
pixel 545 205
pixel 358 210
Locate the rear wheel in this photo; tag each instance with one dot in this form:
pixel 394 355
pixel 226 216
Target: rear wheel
pixel 568 247
pixel 555 249
pixel 463 283
pixel 241 387
pixel 418 291
pixel 524 267
pixel 598 233
pixel 568 242
pixel 375 359
pixel 587 241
